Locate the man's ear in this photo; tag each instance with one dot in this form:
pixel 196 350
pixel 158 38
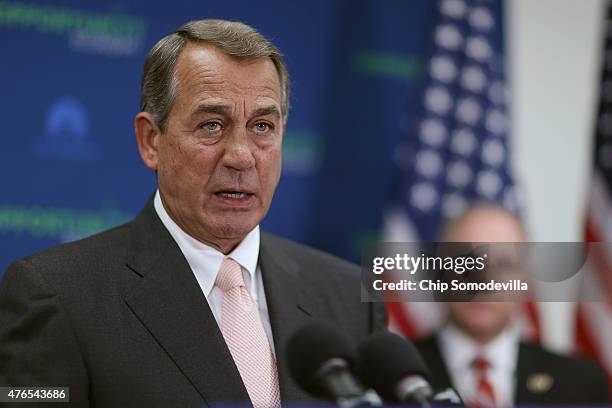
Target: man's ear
pixel 147 137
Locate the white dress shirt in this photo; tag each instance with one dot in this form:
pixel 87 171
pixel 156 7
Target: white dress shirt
pixel 459 351
pixel 205 262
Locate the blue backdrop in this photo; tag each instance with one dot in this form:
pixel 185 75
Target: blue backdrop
pixel 69 83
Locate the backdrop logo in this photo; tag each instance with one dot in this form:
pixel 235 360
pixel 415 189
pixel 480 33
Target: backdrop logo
pixel 388 65
pixel 64 224
pixel 67 133
pixel 111 34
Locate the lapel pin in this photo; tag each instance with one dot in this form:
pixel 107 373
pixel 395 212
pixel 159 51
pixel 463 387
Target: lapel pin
pixel 539 383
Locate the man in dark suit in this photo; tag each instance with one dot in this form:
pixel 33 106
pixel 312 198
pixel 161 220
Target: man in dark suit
pixel 540 376
pixel 479 350
pixel 189 304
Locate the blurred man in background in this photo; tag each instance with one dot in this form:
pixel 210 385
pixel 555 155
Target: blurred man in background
pixel 479 350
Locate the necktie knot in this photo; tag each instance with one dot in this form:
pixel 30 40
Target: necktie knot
pixel 481 364
pixel 229 276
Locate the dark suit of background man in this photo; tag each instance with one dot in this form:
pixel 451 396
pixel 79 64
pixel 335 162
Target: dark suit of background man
pixel 189 304
pixel 479 350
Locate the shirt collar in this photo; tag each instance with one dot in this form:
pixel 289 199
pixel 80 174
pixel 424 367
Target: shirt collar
pixel 460 350
pixel 204 260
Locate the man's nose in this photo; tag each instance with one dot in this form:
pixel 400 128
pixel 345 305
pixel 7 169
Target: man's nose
pixel 238 153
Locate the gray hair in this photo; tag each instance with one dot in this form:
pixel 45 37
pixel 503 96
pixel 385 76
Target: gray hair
pixel 159 83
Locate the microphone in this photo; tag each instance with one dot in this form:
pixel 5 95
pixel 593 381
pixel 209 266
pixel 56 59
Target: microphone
pixel 320 360
pixel 393 367
pixel 448 398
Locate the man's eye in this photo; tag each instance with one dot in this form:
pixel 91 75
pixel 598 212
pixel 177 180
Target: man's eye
pixel 262 127
pixel 211 126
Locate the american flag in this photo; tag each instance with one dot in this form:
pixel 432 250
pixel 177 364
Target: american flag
pixel 454 143
pixel 594 319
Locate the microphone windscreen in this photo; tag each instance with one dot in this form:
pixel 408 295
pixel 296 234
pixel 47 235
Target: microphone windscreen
pixel 309 348
pixel 385 359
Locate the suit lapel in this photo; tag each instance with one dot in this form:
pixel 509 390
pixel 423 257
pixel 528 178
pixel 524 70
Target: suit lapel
pixel 533 385
pixel 170 304
pixel 523 369
pixel 288 307
pixel 432 354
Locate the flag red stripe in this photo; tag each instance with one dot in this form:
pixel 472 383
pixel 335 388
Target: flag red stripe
pixel 396 312
pixel 584 338
pixel 534 321
pixel 584 342
pixel 599 260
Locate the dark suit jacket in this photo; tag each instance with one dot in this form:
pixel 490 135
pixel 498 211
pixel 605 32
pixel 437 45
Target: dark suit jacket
pixel 120 318
pixel 574 380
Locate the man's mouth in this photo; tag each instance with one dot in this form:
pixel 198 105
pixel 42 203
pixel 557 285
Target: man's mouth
pixel 233 195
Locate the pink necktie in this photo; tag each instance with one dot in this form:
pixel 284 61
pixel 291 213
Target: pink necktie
pixel 246 338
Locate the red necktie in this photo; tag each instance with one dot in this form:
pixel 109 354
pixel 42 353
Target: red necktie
pixel 485 394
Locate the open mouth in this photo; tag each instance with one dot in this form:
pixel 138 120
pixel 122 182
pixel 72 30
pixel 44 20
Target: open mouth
pixel 233 195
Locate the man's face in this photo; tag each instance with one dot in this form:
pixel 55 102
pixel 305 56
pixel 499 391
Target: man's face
pixel 219 160
pixel 482 320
